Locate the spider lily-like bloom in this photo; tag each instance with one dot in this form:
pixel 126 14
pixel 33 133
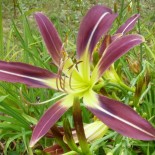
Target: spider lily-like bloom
pixel 77 79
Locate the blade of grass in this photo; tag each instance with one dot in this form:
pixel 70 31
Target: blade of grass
pixel 13 112
pixel 1 31
pixel 139 31
pixel 18 136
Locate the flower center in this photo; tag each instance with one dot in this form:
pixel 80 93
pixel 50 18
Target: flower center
pixel 70 77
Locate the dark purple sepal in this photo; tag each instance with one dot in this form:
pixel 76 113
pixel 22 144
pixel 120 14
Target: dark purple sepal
pixel 95 24
pixel 50 36
pixel 116 49
pixel 50 117
pixel 128 25
pixel 24 73
pixel 112 113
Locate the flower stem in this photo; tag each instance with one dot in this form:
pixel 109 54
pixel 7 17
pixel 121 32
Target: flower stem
pixel 77 116
pixel 69 136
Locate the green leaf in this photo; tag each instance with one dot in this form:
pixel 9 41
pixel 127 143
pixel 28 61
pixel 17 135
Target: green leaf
pixel 3 97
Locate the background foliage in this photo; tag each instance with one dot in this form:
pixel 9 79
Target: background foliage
pixel 21 41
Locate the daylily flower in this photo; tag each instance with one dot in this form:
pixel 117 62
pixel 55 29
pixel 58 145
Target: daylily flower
pixel 77 79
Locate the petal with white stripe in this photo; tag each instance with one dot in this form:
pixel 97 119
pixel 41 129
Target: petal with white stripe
pixel 114 51
pixel 50 36
pixel 95 24
pixel 128 25
pixel 24 73
pixel 119 117
pixel 51 116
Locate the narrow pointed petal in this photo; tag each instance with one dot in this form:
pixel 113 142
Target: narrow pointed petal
pixel 114 51
pixel 96 23
pixel 24 73
pixel 50 117
pixel 128 25
pixel 50 36
pixel 120 117
pixel 107 41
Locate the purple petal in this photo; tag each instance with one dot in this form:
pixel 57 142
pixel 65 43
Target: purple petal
pixel 50 36
pixel 116 49
pixel 128 25
pixel 122 119
pixel 96 23
pixel 24 73
pixel 50 117
pixel 107 41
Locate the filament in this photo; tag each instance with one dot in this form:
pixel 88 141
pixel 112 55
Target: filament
pixel 39 103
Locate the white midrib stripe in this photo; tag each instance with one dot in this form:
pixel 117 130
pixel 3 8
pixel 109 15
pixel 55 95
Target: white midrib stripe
pixel 38 135
pixel 124 121
pixel 48 121
pixel 95 27
pixel 63 104
pixel 93 31
pixel 129 24
pixel 111 53
pixel 24 76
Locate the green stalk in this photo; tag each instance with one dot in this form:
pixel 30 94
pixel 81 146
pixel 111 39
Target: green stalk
pixel 69 136
pixel 1 30
pixel 122 8
pixel 139 31
pixel 77 116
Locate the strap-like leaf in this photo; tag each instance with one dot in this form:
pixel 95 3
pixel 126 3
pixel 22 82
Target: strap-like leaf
pixel 120 117
pixel 24 73
pixel 50 36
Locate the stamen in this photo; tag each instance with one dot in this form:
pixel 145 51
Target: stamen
pixel 39 103
pixel 61 80
pixel 64 81
pixel 57 84
pixel 76 65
